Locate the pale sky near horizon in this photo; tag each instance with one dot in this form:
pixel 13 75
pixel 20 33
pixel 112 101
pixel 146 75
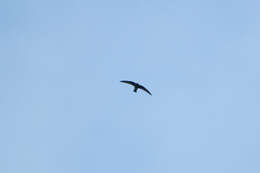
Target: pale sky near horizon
pixel 64 110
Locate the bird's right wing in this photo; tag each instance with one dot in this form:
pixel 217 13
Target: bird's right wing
pixel 143 88
pixel 128 82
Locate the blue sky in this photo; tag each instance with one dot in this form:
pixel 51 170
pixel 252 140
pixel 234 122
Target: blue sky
pixel 64 110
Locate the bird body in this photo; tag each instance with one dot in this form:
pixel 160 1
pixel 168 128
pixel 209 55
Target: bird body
pixel 136 86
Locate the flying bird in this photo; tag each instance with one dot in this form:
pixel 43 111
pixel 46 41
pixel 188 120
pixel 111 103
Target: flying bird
pixel 136 86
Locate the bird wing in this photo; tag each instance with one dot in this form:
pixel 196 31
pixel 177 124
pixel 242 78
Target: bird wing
pixel 143 88
pixel 128 82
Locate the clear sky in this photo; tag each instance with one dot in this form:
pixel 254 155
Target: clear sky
pixel 63 109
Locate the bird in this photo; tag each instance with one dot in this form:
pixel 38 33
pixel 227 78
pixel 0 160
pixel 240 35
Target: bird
pixel 136 86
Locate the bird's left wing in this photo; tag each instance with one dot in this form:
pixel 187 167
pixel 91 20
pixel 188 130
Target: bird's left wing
pixel 143 88
pixel 128 82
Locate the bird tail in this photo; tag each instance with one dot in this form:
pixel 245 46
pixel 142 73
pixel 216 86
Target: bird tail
pixel 135 89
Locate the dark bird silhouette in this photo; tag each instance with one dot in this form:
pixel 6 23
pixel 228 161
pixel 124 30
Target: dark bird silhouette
pixel 136 86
